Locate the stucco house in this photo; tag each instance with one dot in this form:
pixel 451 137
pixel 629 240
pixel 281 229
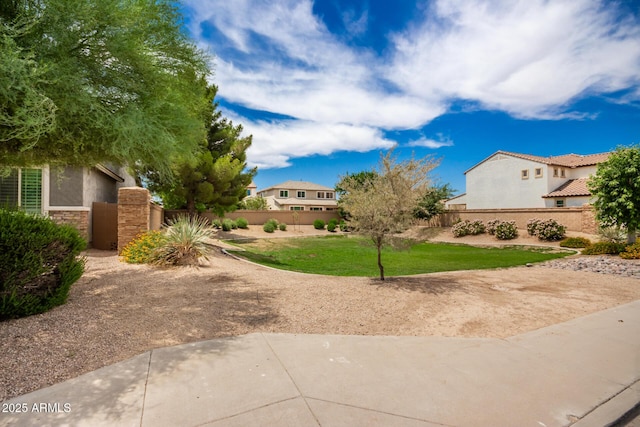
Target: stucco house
pixel 66 194
pixel 300 196
pixel 513 180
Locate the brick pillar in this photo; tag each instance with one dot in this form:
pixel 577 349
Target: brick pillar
pixel 589 223
pixel 133 213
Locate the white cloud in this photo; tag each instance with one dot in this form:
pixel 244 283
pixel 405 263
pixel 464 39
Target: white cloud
pixel 440 142
pixel 275 143
pixel 529 58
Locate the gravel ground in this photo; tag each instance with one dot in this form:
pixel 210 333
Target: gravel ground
pixel 116 310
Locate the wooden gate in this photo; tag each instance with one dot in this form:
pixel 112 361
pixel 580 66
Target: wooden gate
pixel 105 226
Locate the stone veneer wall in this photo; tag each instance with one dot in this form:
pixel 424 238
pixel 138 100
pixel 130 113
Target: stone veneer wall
pixel 76 218
pixel 133 214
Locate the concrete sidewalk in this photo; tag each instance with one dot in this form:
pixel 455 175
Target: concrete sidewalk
pixel 585 372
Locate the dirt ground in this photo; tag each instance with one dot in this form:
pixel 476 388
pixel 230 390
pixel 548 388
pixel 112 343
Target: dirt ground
pixel 118 310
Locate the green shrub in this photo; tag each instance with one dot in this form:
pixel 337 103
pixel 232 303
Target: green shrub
pixel 242 223
pixel 466 227
pixel 604 248
pixel 185 242
pixel 318 224
pixel 332 226
pixel 532 226
pixel 575 242
pixel 38 263
pixel 228 224
pixel 216 223
pixel 141 248
pixel 550 230
pixel 506 230
pixel 631 251
pixel 274 222
pixel 491 226
pixel 344 226
pixel 282 226
pixel 269 227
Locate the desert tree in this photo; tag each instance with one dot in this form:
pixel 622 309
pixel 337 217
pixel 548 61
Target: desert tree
pixel 88 81
pixel 382 202
pixel 217 179
pixel 616 190
pixel 432 202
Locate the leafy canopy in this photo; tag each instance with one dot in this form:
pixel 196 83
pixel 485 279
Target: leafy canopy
pixel 218 178
pixel 382 202
pixel 616 189
pixel 88 81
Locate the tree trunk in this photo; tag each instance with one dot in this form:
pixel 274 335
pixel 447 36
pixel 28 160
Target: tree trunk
pixel 191 206
pixel 631 236
pixel 379 246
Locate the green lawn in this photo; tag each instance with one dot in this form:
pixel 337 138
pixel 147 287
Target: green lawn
pixel 353 256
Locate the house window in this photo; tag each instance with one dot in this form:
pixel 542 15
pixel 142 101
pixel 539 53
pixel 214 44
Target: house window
pixel 284 193
pixel 555 172
pixel 559 203
pixel 22 188
pixel 248 192
pixel 562 173
pixel 296 208
pixel 538 172
pixel 525 174
pixel 324 195
pixel 302 194
pixel 315 208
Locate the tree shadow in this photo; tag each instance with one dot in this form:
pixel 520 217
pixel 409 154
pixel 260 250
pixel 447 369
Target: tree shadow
pixel 427 284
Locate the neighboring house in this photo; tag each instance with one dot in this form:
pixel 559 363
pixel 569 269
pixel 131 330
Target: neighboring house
pixel 513 180
pixel 252 189
pixel 65 194
pixel 300 196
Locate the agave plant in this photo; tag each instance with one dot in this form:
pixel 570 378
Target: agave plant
pixel 186 242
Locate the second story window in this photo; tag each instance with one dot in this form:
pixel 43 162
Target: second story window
pixel 284 193
pixel 302 194
pixel 324 195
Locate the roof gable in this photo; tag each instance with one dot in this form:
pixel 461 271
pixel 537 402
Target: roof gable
pixel 565 160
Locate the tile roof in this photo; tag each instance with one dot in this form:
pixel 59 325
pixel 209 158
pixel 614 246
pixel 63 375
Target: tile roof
pixel 571 188
pixel 307 202
pixel 298 185
pixel 567 160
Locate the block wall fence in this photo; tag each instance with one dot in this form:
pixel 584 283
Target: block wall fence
pixel 579 219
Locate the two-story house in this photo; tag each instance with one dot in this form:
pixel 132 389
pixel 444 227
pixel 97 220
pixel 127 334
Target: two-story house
pixel 300 196
pixel 512 180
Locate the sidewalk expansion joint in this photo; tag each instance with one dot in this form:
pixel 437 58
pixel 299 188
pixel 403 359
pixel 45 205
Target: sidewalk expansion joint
pixel 146 382
pixel 304 398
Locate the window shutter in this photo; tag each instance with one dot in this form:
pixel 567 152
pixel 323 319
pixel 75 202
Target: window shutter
pixel 9 190
pixel 32 190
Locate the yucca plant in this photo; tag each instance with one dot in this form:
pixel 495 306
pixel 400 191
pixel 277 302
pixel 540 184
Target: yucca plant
pixel 185 242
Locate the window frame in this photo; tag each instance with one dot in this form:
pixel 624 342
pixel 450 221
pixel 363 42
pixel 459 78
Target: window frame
pixel 299 196
pixel 536 174
pixel 284 194
pixel 524 174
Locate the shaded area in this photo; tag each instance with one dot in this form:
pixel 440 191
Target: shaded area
pixel 428 284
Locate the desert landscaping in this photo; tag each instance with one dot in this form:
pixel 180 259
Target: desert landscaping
pixel 118 310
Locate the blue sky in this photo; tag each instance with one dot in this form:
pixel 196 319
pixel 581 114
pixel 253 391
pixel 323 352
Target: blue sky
pixel 324 86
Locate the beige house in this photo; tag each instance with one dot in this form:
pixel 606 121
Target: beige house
pixel 300 196
pixel 512 180
pixel 66 194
